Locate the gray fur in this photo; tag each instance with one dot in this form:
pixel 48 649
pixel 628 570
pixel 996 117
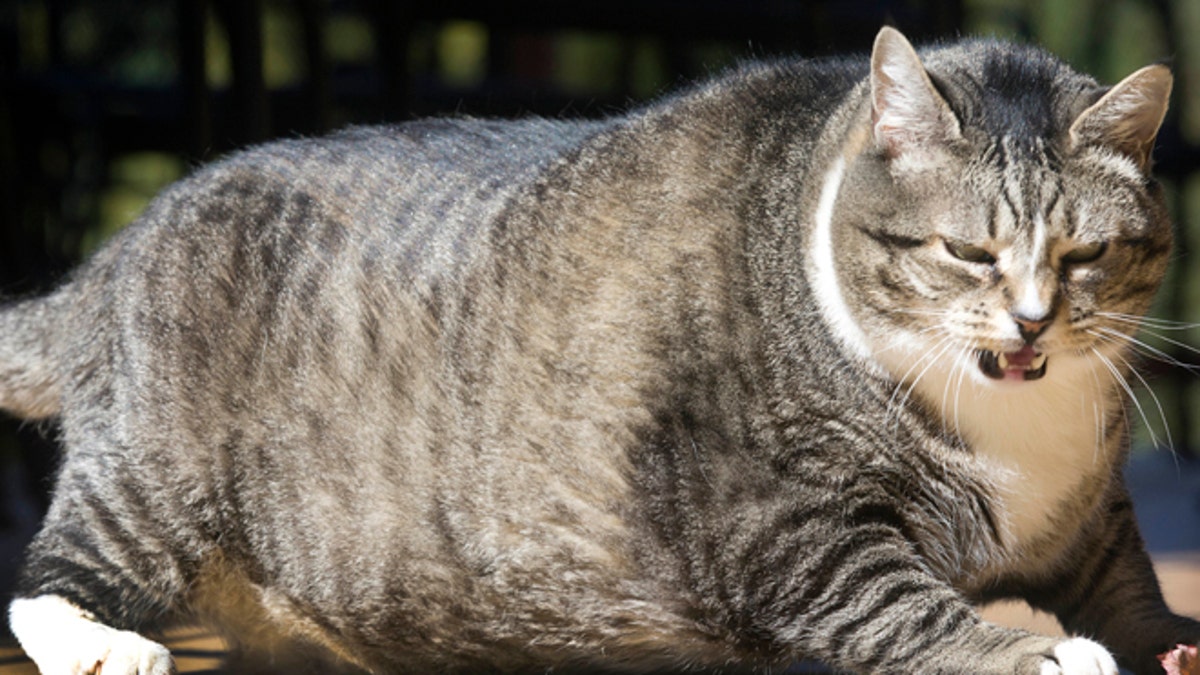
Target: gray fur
pixel 541 394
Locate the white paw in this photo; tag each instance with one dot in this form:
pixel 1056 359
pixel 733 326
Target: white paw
pixel 1079 656
pixel 128 653
pixel 63 640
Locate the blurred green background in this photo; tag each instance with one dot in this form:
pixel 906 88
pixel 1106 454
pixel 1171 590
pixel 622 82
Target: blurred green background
pixel 103 102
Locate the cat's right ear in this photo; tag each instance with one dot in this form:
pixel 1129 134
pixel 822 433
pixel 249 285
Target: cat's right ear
pixel 909 117
pixel 1127 117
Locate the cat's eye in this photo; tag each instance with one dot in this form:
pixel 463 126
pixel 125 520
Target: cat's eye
pixel 1085 254
pixel 970 253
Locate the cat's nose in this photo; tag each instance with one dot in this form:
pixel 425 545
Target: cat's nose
pixel 1030 328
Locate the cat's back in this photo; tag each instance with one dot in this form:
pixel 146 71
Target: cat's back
pixel 407 204
pixel 294 263
pixel 421 184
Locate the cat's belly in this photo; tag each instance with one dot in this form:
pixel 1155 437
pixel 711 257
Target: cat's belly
pixel 466 625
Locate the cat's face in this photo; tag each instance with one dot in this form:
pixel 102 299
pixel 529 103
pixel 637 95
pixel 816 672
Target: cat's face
pixel 1007 265
pixel 1000 224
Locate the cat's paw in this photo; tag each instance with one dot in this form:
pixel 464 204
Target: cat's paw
pixel 111 652
pixel 1079 656
pixel 1182 660
pixel 63 640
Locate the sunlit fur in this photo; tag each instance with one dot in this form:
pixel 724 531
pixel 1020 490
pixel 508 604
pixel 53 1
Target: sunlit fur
pixel 695 386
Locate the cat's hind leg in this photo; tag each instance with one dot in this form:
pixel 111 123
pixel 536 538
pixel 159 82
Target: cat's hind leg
pixel 106 562
pixel 63 639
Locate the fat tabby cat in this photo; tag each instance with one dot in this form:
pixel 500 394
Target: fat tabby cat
pixel 806 361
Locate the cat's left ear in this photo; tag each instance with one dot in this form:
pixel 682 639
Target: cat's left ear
pixel 908 115
pixel 1127 117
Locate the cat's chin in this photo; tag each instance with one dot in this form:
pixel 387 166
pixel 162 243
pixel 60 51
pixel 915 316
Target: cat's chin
pixel 1023 365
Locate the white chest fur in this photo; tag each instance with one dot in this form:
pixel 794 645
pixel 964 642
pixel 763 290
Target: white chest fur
pixel 1042 442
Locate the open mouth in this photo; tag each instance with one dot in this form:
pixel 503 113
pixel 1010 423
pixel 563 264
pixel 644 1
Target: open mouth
pixel 1026 364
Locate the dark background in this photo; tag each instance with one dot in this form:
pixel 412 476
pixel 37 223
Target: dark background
pixel 103 102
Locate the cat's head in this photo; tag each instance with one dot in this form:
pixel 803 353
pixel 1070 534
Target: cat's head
pixel 997 217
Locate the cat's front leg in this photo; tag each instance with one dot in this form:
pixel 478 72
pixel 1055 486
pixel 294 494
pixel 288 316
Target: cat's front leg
pixel 849 582
pixel 1079 655
pixel 861 599
pixel 1116 597
pixel 62 639
pixel 980 649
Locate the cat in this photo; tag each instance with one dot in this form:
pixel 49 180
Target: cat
pixel 803 362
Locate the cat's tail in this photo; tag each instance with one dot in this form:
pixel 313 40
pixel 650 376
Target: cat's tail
pixel 29 380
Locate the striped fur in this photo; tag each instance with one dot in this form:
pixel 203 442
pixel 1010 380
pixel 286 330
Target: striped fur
pixel 705 385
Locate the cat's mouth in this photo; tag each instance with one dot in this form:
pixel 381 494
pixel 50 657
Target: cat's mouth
pixel 1026 364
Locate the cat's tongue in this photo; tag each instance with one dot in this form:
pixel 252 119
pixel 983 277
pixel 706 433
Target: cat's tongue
pixel 1025 364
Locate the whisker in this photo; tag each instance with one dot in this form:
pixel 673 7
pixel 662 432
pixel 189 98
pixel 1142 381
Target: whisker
pixel 948 343
pixel 920 312
pixel 963 364
pixel 1120 379
pixel 1112 336
pixel 892 405
pixel 899 340
pixel 1183 345
pixel 931 357
pixel 1099 412
pixel 916 364
pixel 1153 322
pixel 1158 404
pixel 955 365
